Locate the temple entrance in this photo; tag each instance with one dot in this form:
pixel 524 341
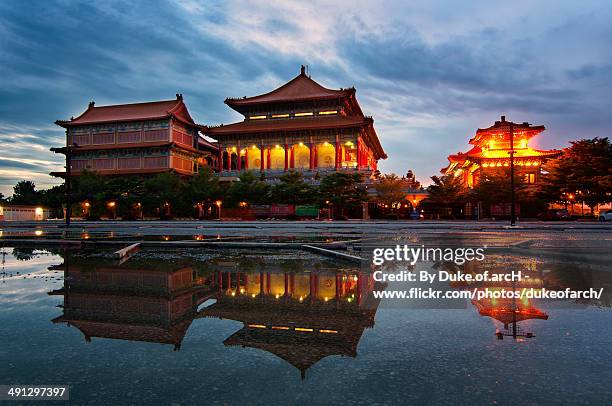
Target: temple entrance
pixel 253 158
pixel 301 156
pixel 326 155
pixel 277 158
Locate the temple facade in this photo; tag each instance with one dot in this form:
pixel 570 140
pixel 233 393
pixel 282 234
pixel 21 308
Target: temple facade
pixel 299 126
pixel 491 152
pixel 137 139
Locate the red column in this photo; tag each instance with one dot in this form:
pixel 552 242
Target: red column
pixel 292 160
pixel 261 283
pixel 269 163
pixel 220 163
pixel 358 152
pixel 286 157
pixel 239 163
pixel 262 157
pixel 246 158
pixel 311 156
pixel 337 155
pixel 312 287
pixel 286 284
pixel 338 282
pixel 359 280
pixel 268 283
pixel 316 157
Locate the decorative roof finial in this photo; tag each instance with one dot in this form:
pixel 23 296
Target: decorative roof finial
pixel 503 118
pixel 179 96
pixel 303 70
pixel 92 103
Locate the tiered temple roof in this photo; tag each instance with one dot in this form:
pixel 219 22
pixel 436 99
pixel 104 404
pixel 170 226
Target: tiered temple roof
pixel 300 89
pixel 157 110
pixel 300 92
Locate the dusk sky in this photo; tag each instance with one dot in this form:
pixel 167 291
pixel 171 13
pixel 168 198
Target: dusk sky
pixel 429 72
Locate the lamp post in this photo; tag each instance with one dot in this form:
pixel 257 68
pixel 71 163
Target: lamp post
pixel 512 208
pixel 219 203
pixel 67 151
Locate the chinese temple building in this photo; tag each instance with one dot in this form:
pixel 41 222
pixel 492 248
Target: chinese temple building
pixel 146 304
pixel 137 139
pixel 299 317
pixel 298 126
pixel 491 151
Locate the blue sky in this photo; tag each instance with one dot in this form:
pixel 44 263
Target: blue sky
pixel 429 72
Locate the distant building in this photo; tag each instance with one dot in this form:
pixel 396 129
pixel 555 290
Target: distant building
pixel 299 126
pixel 137 139
pixel 491 152
pixel 23 213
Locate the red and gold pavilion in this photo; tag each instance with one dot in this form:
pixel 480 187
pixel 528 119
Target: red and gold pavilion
pixel 299 317
pixel 491 152
pixel 301 126
pixel 137 139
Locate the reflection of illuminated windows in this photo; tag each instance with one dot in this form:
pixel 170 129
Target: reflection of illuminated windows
pixel 530 178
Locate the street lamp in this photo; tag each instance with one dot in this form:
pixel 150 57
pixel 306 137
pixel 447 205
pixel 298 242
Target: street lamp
pixel 219 203
pixel 67 151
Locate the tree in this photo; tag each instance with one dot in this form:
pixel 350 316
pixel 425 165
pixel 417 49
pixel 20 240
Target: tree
pixel 90 187
pixel 162 195
pixel 203 187
pixel 249 188
pixel 292 189
pixel 343 191
pixel 390 189
pixel 495 188
pixel 24 192
pixel 126 192
pixel 2 199
pixel 54 199
pixel 583 171
pixel 447 195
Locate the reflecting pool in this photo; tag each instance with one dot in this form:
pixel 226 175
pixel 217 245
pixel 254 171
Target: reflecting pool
pixel 232 327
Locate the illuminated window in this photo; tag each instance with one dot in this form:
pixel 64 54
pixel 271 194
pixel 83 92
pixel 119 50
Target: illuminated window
pixel 304 114
pixel 257 117
pixel 280 115
pixel 530 178
pixel 326 113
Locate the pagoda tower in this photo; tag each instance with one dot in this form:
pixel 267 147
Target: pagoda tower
pixel 491 152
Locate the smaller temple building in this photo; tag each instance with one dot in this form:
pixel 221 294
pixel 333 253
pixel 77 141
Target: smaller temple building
pixel 491 151
pixel 299 126
pixel 136 139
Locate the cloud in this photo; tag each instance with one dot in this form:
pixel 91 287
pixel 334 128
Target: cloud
pixel 429 73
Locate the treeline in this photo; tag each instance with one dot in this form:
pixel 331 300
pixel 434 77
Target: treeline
pixel 168 195
pixel 581 175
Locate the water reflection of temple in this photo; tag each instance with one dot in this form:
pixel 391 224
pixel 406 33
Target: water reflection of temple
pixel 301 318
pixel 510 312
pixel 149 304
pixel 297 314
